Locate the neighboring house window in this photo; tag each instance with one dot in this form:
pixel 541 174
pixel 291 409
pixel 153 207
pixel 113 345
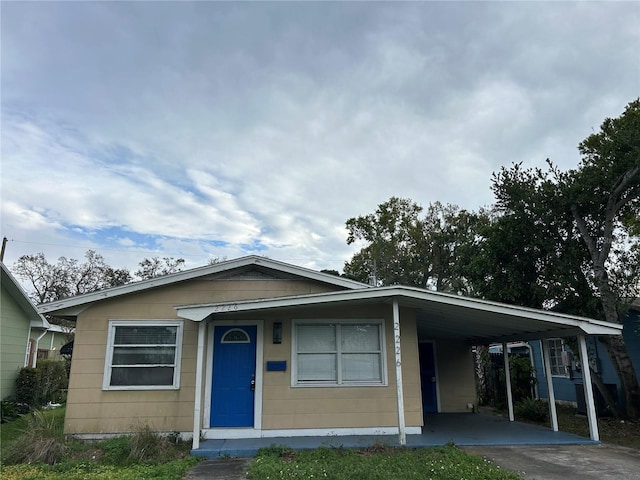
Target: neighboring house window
pixel 338 353
pixel 556 357
pixel 143 356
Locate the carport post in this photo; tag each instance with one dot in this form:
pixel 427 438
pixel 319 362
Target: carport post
pixel 398 357
pixel 552 395
pixel 588 389
pixel 507 378
pixel 197 406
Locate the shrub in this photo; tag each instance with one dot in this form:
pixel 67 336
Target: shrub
pixel 41 442
pixel 27 386
pixel 52 381
pixel 12 409
pixel 45 383
pixel 532 409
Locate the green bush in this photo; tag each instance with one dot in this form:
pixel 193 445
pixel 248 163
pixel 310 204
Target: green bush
pixel 47 382
pixel 12 409
pixel 532 409
pixel 27 386
pixel 52 381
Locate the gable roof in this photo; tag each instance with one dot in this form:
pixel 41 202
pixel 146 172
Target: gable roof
pixel 438 315
pixel 73 305
pixel 13 288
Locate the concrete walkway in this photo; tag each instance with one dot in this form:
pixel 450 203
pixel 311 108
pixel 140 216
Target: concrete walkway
pixel 221 469
pixel 439 429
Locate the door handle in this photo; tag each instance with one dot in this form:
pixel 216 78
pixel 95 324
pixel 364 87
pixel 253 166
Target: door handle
pixel 252 385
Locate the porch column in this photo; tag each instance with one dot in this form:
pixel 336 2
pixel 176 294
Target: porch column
pixel 588 389
pixel 552 396
pixel 197 408
pixel 507 378
pixel 399 389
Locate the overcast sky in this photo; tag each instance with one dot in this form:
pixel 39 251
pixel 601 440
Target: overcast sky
pixel 205 129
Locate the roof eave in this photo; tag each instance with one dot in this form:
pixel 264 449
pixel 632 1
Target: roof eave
pixel 71 303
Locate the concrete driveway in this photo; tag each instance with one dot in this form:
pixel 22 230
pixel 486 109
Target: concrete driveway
pixel 565 462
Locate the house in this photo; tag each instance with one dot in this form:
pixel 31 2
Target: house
pixel 25 335
pixel 254 348
pixel 566 369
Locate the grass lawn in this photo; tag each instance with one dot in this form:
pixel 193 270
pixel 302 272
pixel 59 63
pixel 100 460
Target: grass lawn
pixel 142 456
pixel 379 463
pixel 116 458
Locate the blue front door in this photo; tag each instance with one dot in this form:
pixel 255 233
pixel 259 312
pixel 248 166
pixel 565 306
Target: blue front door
pixel 233 382
pixel 428 378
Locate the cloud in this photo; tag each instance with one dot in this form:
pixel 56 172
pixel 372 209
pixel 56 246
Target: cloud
pixel 216 129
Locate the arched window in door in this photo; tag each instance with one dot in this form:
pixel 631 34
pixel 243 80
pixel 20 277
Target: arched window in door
pixel 235 335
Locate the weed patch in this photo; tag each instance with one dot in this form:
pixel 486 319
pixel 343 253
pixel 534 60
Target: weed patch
pixel 381 463
pixel 42 441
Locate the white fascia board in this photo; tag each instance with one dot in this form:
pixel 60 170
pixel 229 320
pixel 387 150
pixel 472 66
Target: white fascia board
pixel 589 326
pixel 67 305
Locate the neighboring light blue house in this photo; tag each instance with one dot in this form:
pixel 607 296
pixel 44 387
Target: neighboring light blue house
pixel 567 371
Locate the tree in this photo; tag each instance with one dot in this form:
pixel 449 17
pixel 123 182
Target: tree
pixel 528 254
pixel 603 195
pixel 156 267
pixel 405 247
pixel 567 241
pixel 67 277
pixel 570 239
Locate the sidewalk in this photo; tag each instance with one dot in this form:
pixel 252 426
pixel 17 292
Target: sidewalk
pixel 222 469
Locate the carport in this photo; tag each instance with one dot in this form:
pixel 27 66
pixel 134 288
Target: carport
pixel 438 316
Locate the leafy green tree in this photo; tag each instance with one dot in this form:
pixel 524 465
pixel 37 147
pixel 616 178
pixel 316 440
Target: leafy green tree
pixel 405 246
pixel 568 241
pixel 603 195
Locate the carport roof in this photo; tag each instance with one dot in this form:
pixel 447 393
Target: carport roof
pixel 438 315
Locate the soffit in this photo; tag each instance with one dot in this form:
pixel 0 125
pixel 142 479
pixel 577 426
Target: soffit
pixel 437 315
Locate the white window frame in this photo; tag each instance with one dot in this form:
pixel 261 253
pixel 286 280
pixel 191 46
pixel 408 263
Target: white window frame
pixel 553 354
pixel 339 383
pixel 113 324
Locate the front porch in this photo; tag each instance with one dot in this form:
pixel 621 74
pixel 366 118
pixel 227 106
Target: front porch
pixel 458 428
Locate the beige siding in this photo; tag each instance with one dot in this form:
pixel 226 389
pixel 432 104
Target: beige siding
pixel 456 377
pixel 286 407
pixel 90 410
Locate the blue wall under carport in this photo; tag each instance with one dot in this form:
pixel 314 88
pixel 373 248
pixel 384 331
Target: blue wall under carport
pixel 565 387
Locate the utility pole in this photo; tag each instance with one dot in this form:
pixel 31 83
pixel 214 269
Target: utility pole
pixel 4 245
